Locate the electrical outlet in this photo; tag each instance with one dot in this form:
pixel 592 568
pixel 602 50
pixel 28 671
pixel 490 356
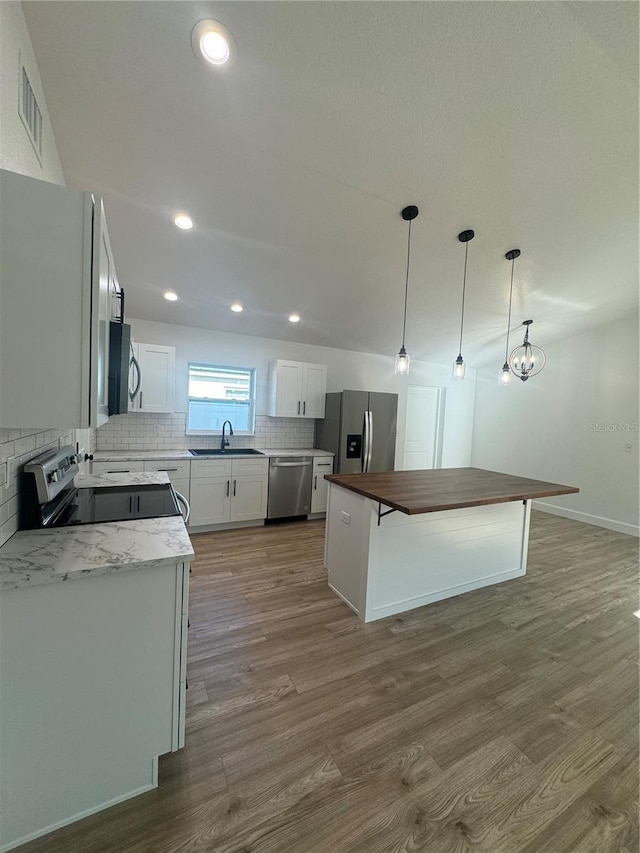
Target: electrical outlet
pixel 345 518
pixel 628 447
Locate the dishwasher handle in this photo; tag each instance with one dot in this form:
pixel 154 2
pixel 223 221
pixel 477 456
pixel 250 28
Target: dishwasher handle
pixel 290 464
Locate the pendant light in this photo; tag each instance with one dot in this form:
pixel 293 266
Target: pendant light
pixel 402 359
pixel 505 372
pixel 527 360
pixel 459 365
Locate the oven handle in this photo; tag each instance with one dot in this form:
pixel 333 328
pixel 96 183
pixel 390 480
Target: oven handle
pixel 186 509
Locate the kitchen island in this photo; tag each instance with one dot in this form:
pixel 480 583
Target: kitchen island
pixel 402 539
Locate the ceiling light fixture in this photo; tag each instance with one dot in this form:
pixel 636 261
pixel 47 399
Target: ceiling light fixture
pixel 236 308
pixel 170 296
pixel 212 42
pixel 459 365
pixel 527 360
pixel 402 359
pixel 183 221
pixel 294 318
pixel 505 372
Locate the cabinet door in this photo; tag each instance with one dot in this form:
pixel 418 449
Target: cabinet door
pixel 209 500
pixel 248 498
pixel 158 368
pixel 314 390
pixel 103 280
pixel 287 393
pixel 320 485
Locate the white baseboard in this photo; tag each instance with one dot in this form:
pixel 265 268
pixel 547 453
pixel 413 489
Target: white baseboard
pixel 59 824
pixel 228 525
pixel 588 518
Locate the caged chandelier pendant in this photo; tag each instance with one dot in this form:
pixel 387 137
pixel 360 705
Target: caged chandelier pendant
pixel 527 360
pixel 402 359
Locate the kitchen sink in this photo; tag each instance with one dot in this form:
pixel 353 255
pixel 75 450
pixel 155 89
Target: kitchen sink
pixel 236 451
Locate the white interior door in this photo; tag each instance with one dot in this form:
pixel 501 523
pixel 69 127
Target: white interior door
pixel 423 432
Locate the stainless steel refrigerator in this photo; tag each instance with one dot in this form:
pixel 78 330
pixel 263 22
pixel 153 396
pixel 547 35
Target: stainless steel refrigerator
pixel 359 427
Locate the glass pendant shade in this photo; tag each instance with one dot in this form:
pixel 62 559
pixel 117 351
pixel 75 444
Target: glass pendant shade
pixel 402 359
pixel 504 377
pixel 402 362
pixel 458 368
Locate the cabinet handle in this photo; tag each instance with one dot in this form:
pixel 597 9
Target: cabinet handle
pixel 130 504
pixel 166 469
pixel 234 488
pixel 298 406
pixel 141 399
pixel 138 504
pixel 304 408
pixel 315 482
pixel 228 484
pixel 119 471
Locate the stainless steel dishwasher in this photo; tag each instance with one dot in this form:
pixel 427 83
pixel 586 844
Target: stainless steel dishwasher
pixel 289 486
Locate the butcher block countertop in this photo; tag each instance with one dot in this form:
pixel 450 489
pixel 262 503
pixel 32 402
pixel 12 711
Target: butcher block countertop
pixel 414 492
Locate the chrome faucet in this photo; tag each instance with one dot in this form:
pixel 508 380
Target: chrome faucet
pixel 224 442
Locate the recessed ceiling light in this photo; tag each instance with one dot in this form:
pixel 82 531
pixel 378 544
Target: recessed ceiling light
pixel 212 42
pixel 294 318
pixel 170 296
pixel 236 307
pixel 183 221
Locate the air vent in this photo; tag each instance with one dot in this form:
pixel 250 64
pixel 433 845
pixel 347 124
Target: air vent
pixel 30 112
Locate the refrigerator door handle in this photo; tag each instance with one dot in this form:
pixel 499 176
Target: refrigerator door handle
pixel 365 433
pixel 370 442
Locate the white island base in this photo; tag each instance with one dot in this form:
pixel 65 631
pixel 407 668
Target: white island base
pixel 408 561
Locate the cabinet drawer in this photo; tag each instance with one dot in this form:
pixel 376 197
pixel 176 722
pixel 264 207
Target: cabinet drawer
pixel 323 465
pixel 177 469
pixel 210 468
pixel 116 467
pixel 250 467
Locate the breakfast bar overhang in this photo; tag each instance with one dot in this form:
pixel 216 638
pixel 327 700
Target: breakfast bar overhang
pixel 402 539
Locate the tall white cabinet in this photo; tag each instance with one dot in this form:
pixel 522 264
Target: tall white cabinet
pixel 297 389
pixel 57 280
pixel 158 378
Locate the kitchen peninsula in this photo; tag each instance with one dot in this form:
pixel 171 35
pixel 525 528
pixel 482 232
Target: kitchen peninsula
pixel 403 539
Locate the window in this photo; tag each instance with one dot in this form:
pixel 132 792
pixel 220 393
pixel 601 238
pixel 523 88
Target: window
pixel 219 393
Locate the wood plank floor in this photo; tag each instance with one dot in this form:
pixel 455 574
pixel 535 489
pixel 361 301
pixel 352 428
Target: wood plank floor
pixel 501 721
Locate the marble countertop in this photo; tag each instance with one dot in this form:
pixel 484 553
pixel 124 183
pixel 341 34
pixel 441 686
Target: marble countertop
pixel 134 455
pixel 133 478
pixel 35 557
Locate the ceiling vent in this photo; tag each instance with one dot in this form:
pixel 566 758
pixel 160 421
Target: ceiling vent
pixel 29 111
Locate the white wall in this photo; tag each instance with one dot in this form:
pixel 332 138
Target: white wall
pixel 346 370
pixel 547 428
pixel 16 151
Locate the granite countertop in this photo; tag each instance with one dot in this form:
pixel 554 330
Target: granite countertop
pixel 134 455
pixel 414 492
pixel 35 557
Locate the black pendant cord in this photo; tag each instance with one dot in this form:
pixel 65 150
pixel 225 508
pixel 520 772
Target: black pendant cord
pixel 406 286
pixel 506 353
pixel 464 287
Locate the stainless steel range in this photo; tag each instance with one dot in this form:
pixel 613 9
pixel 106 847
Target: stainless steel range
pixel 49 497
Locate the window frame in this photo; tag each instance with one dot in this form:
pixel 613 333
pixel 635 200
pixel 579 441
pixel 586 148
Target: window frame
pixel 252 397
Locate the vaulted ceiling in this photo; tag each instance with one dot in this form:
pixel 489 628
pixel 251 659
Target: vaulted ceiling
pixel 519 120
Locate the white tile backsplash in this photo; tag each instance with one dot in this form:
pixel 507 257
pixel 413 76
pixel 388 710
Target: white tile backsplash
pixel 146 431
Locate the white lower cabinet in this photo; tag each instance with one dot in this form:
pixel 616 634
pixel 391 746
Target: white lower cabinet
pixel 93 691
pixel 178 471
pixel 321 465
pixel 225 490
pixel 116 467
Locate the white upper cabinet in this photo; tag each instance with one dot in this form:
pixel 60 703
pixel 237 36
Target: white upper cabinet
pixel 157 378
pixel 57 278
pixel 297 389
